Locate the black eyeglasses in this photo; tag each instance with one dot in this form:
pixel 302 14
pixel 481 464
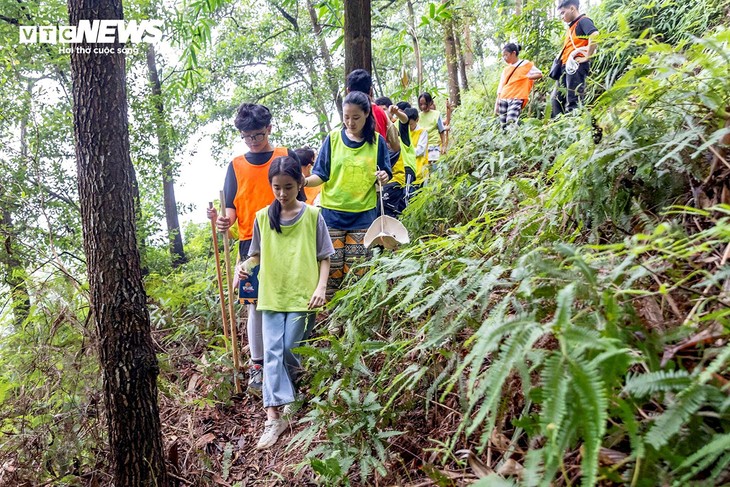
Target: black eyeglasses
pixel 254 138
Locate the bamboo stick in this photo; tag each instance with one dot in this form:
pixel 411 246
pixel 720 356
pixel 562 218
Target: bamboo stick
pixel 231 314
pixel 221 295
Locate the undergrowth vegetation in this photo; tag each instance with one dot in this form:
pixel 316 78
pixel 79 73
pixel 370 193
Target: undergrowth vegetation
pixel 560 317
pixel 563 313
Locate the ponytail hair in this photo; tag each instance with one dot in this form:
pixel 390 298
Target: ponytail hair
pixel 286 166
pixel 361 99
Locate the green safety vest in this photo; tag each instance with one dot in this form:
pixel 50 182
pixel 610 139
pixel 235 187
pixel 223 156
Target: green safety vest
pixel 351 186
pixel 407 158
pixel 289 268
pixel 429 121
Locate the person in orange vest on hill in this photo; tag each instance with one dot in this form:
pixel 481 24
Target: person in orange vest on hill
pixel 572 67
pixel 247 190
pixel 514 85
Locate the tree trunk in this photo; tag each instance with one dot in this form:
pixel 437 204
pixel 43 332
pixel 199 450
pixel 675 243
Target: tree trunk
pixel 14 270
pixel 128 361
pixel 177 252
pixel 416 47
pixel 462 61
pixel 468 47
pixel 451 63
pixel 15 273
pixel 329 72
pixel 518 7
pixel 358 53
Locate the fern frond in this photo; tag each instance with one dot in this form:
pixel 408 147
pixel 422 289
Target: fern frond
pixel 671 421
pixel 565 298
pixel 554 380
pixel 488 393
pixel 591 393
pixel 705 456
pixel 662 381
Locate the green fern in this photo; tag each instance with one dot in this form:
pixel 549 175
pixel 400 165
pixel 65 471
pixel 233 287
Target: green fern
pixel 641 385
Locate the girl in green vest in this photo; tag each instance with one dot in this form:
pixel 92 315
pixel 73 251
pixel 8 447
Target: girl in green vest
pixel 396 192
pixel 350 161
pixel 430 120
pixel 291 242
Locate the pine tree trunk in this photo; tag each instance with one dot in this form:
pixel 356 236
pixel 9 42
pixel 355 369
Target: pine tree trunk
pixel 128 361
pixel 358 53
pixel 329 72
pixel 462 61
pixel 13 267
pixel 416 47
pixel 468 46
pixel 15 273
pixel 177 252
pixel 451 63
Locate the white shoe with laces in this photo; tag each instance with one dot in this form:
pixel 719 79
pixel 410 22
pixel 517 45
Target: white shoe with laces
pixel 273 428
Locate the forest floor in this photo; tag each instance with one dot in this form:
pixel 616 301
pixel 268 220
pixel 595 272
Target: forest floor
pixel 213 442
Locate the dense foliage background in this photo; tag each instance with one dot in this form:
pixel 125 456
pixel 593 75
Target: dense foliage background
pixel 561 316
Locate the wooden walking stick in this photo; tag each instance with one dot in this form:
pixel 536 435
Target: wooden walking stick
pixel 222 296
pixel 231 315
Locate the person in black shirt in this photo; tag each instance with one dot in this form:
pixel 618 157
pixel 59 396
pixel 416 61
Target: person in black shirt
pixel 578 47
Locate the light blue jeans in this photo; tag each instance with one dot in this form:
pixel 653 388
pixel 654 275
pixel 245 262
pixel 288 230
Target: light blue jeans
pixel 282 332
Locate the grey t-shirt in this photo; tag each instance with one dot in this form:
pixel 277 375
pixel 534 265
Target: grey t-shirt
pixel 324 243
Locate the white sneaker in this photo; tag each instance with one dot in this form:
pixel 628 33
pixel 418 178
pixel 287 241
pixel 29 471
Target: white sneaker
pixel 273 428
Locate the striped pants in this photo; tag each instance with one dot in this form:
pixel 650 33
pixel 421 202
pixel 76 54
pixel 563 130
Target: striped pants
pixel 349 251
pixel 509 110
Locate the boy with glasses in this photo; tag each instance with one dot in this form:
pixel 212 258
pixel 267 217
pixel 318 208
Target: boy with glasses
pixel 247 190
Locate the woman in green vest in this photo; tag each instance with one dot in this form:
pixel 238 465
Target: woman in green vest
pixel 291 243
pixel 430 120
pixel 348 165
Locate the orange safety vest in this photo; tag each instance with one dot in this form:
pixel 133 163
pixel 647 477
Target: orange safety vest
pixel 254 191
pixel 572 41
pixel 519 85
pixel 311 192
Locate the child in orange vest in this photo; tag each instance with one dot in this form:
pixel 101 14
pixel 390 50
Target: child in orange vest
pixel 514 85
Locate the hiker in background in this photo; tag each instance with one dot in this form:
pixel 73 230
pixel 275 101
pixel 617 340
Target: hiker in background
pixel 396 192
pixel 515 84
pixel 384 102
pixel 360 80
pixel 291 242
pixel 419 139
pixel 349 163
pixel 247 190
pixel 306 157
pixel 430 120
pixel 572 67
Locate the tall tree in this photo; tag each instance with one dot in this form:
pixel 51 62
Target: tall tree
pixel 358 52
pixel 326 58
pixel 15 273
pixel 177 252
pixel 416 47
pixel 452 64
pixel 128 361
pixel 460 55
